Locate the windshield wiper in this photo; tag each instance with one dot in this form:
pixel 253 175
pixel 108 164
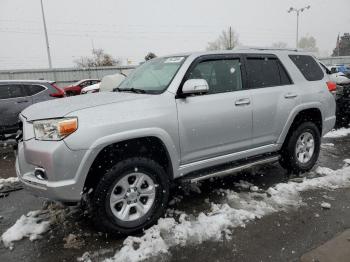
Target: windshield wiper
pixel 133 90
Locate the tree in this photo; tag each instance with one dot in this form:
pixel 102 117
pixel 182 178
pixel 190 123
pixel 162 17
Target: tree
pixel 150 56
pixel 343 46
pixel 226 41
pixel 99 58
pixel 279 45
pixel 308 43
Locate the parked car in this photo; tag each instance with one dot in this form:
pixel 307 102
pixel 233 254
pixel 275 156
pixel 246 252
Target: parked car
pixel 340 69
pixel 186 117
pixel 76 88
pixel 16 95
pixel 342 96
pixel 95 88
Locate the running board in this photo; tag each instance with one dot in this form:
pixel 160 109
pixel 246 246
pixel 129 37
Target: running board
pixel 229 171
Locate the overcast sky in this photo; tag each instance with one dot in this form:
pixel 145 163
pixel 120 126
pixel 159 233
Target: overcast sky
pixel 131 28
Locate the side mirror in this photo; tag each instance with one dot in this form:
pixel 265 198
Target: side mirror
pixel 195 86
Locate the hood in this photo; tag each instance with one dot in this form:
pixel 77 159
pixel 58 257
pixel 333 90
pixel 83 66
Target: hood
pixel 63 106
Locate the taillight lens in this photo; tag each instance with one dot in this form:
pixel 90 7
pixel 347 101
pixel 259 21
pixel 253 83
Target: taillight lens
pixel 332 87
pixel 59 93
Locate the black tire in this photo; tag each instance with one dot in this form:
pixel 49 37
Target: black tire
pixel 102 214
pixel 289 158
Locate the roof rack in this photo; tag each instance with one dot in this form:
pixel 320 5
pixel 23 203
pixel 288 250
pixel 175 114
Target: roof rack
pixel 266 48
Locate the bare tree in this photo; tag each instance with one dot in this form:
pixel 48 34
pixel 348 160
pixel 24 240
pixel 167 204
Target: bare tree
pixel 279 45
pixel 308 43
pixel 226 41
pixel 98 58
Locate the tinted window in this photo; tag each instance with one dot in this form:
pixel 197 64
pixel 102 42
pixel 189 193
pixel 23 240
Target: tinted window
pixel 10 91
pixel 308 67
pixel 33 89
pixel 266 72
pixel 222 75
pixel 285 79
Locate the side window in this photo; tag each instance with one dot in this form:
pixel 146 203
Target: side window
pixel 285 79
pixel 266 72
pixel 222 75
pixel 33 89
pixel 11 91
pixel 308 67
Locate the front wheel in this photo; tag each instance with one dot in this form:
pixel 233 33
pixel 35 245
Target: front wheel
pixel 301 149
pixel 131 196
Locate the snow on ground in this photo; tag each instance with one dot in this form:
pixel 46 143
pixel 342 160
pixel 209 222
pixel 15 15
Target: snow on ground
pixel 235 211
pixel 4 182
pixel 341 132
pixel 30 225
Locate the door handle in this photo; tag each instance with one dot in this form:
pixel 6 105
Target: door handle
pixel 290 95
pixel 22 101
pixel 243 101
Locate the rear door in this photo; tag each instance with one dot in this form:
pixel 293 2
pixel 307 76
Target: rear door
pixel 273 97
pixel 13 100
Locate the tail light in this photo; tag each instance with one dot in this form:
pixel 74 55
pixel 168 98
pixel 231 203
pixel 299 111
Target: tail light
pixel 59 92
pixel 332 87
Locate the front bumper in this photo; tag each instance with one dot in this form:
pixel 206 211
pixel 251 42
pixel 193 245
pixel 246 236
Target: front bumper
pixel 65 177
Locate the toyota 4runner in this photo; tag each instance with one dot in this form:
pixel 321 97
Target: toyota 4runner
pixel 189 117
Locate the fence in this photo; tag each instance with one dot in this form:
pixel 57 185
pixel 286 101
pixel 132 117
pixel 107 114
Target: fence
pixel 337 60
pixel 64 76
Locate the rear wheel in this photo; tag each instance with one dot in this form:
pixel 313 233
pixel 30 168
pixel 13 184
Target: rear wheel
pixel 301 149
pixel 131 196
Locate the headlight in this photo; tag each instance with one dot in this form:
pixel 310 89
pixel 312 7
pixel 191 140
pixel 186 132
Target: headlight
pixel 55 129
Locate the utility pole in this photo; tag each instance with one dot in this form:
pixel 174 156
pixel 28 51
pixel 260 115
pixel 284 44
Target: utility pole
pixel 230 44
pixel 46 37
pixel 298 11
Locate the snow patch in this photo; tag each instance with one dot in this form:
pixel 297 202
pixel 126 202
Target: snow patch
pixel 238 209
pixel 30 225
pixel 4 182
pixel 326 205
pixel 335 133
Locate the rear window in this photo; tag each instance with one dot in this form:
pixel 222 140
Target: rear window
pixel 266 72
pixel 308 67
pixel 11 91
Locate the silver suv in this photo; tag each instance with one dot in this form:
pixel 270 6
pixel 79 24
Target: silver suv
pixel 189 117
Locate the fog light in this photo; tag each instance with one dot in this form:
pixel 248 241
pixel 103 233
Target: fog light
pixel 40 173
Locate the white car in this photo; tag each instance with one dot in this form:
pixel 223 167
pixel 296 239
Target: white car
pixel 91 89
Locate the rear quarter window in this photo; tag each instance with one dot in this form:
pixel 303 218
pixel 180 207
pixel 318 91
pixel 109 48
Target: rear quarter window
pixel 308 67
pixel 33 89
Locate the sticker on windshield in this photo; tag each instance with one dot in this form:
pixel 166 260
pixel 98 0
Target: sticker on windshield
pixel 176 59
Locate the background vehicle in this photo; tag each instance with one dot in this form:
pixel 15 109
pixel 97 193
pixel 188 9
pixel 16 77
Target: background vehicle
pixel 110 82
pixel 16 95
pixel 76 88
pixel 187 117
pixel 95 88
pixel 340 69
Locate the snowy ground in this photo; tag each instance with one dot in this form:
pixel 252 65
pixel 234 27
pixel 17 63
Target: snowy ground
pixel 220 220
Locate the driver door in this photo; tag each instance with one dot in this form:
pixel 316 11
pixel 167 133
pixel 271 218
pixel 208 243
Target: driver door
pixel 219 122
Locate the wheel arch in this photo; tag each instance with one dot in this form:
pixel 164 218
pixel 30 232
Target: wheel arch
pixel 152 146
pixel 308 112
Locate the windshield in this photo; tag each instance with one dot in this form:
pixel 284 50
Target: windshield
pixel 153 76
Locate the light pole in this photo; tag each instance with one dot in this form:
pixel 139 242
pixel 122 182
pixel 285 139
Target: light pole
pixel 46 37
pixel 298 11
